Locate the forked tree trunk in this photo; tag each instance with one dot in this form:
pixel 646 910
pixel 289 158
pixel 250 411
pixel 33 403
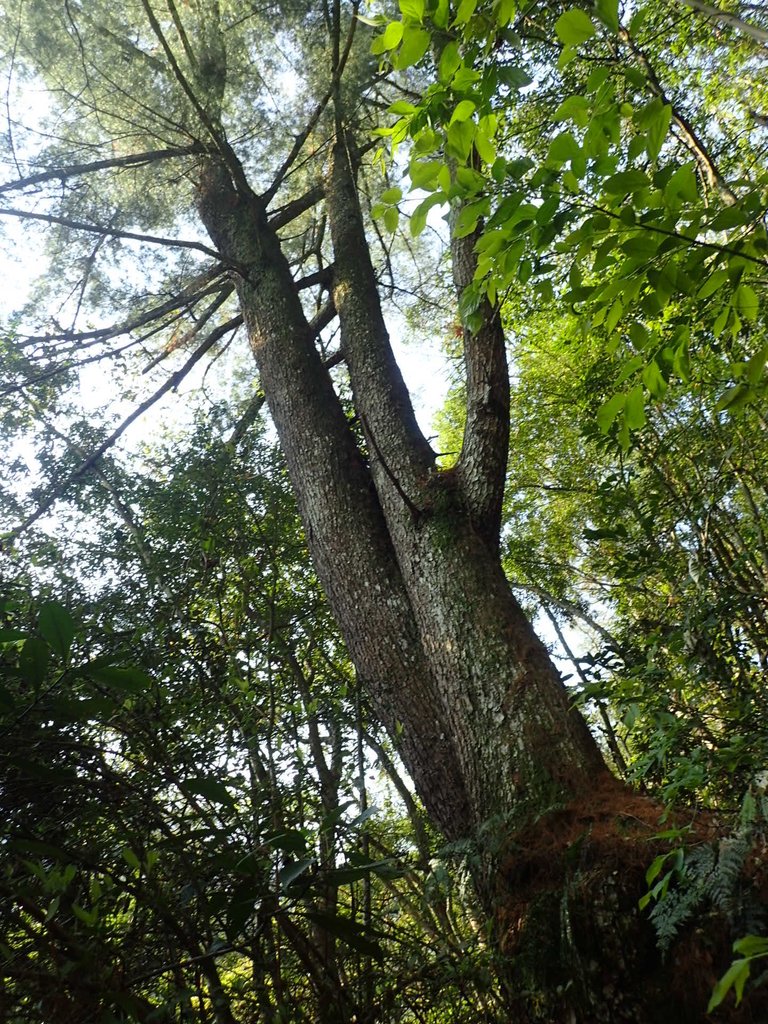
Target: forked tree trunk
pixel 408 556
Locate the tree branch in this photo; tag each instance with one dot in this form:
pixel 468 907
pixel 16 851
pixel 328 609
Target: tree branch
pixel 183 342
pixel 173 382
pixel 726 18
pixel 184 300
pixel 76 170
pixel 214 130
pixel 339 63
pixel 133 236
pixel 482 465
pixel 692 140
pixel 380 395
pixel 295 208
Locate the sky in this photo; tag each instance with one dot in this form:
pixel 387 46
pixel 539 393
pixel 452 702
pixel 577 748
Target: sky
pixel 425 369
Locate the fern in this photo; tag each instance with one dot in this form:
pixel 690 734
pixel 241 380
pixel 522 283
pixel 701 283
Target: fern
pixel 713 874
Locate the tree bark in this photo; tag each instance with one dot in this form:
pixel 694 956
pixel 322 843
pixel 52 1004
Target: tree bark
pixel 408 556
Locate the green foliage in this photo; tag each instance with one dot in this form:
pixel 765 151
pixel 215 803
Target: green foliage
pixel 187 757
pixel 714 876
pixel 753 948
pixel 187 764
pixel 589 178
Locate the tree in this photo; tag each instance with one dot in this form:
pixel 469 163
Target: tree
pixel 187 826
pixel 407 551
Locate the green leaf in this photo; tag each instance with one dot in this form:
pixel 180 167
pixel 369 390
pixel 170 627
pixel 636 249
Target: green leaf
pixel 715 280
pixel 643 244
pixel 459 139
pixel 751 946
pixel 563 147
pixel 415 44
pixel 731 217
pixel 465 78
pixel 654 380
pixel 576 109
pixel 608 411
pixel 57 627
pixel 469 215
pixel 574 27
pixel 419 215
pixel 514 77
pixel 412 9
pixel 747 302
pixel 352 933
pixel 682 185
pixel 630 367
pixel 754 372
pixel 663 286
pixel 657 130
pixel 485 147
pixel 291 872
pixel 608 12
pixel 464 110
pixel 33 660
pixel 11 637
pixel 348 873
pixel 88 917
pixel 389 38
pixel 450 61
pixel 654 870
pixel 614 315
pixel 597 78
pixel 625 182
pixel 211 789
pixel 391 218
pixel 733 398
pixel 465 11
pixel 423 173
pixel 392 195
pixel 129 679
pixel 440 14
pixel 130 858
pixel 634 408
pixel 290 841
pixel 505 11
pixel 720 323
pixel 681 363
pixel 734 978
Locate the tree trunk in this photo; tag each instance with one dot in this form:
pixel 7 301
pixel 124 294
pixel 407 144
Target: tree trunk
pixel 408 556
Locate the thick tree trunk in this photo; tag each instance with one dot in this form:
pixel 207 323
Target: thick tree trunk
pixel 408 556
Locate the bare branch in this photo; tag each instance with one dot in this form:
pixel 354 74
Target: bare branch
pixel 323 277
pixel 690 137
pixel 184 300
pixel 76 170
pixel 295 208
pixel 726 18
pixel 296 148
pixel 216 133
pixel 133 236
pixel 340 62
pixel 182 342
pixel 173 382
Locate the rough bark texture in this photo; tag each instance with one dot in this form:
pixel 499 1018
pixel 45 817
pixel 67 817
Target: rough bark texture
pixel 345 529
pixel 408 556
